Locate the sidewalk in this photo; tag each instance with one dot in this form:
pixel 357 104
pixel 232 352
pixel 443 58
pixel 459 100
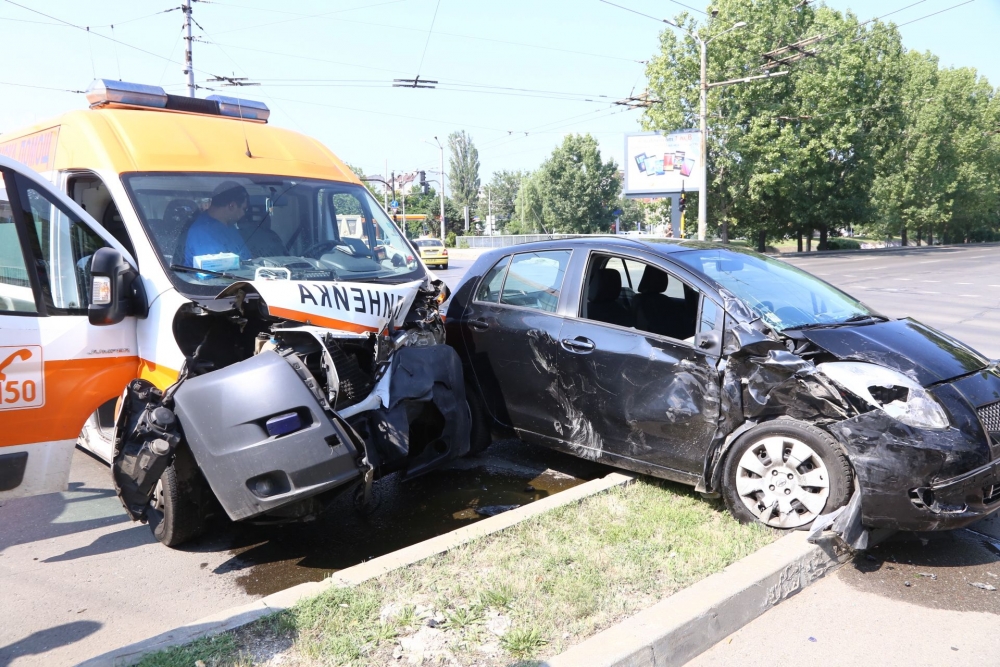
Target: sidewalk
pixel 866 614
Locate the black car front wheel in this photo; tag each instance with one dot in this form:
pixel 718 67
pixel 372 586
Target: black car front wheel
pixel 784 474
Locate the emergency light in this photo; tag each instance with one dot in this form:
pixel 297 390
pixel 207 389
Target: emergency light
pixel 108 92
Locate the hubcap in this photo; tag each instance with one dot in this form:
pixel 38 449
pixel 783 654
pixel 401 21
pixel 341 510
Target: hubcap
pixel 783 482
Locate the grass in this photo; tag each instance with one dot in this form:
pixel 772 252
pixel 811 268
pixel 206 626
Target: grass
pixel 525 593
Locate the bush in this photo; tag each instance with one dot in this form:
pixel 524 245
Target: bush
pixel 842 244
pixel 449 240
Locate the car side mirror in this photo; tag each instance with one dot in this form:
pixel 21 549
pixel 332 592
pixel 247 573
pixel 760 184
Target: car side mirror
pixel 115 289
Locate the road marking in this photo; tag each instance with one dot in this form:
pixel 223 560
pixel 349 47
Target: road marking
pixel 971 296
pixel 904 278
pixel 964 283
pixel 930 261
pixel 922 292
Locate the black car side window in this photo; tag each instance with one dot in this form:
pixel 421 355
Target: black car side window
pixel 489 289
pixel 663 304
pixel 535 280
pixel 709 316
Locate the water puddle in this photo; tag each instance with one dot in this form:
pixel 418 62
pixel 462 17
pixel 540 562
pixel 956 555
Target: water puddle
pixel 273 558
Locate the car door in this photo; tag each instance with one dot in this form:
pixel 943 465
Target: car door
pixel 511 328
pixel 55 367
pixel 645 363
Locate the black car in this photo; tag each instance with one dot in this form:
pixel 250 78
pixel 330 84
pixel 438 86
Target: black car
pixel 733 372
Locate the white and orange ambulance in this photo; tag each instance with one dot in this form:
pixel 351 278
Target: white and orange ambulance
pixel 177 295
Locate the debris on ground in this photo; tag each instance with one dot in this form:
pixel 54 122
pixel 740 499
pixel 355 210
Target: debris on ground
pixel 932 577
pixel 985 587
pixel 493 510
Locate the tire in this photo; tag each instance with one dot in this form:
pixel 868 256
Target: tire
pixel 178 508
pixel 797 495
pixel 444 267
pixel 481 436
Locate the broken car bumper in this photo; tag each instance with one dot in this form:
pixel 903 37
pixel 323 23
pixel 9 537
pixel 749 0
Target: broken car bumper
pixel 958 502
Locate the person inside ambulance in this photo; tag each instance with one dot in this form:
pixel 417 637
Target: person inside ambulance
pixel 214 230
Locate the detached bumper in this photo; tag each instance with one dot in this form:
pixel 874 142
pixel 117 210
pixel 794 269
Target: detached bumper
pixel 225 415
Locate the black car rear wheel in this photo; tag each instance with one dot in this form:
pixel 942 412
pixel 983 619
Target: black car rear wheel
pixel 481 436
pixel 784 474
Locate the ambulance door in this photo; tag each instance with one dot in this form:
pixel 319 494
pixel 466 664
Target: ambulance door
pixel 55 367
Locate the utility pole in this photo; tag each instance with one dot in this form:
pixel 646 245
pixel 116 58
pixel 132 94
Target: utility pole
pixel 489 209
pixel 188 62
pixel 703 196
pixel 385 190
pixel 442 188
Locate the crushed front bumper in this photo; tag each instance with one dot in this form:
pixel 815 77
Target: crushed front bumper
pixel 225 417
pixel 961 500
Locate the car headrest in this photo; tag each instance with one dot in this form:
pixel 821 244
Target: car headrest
pixel 653 281
pixel 606 285
pixel 179 212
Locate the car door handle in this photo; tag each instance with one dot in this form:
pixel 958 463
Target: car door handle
pixel 579 344
pixel 479 325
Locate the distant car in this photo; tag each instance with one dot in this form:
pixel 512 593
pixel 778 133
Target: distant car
pixel 432 251
pixel 733 372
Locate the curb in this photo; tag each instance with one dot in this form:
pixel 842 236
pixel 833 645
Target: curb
pixel 883 251
pixel 680 627
pixel 235 617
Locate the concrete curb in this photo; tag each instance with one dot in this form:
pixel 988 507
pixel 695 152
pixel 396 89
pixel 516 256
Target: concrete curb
pixel 235 617
pixel 678 628
pixel 883 251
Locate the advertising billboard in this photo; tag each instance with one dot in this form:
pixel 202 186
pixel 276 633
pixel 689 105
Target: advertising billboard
pixel 660 164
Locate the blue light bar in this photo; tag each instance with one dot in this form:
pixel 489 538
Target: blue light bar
pixel 240 108
pixel 283 424
pixel 109 91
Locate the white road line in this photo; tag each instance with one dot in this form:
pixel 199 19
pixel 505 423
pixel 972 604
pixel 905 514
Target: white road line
pixel 964 283
pixel 971 296
pixel 930 281
pixel 930 261
pixel 904 279
pixel 922 292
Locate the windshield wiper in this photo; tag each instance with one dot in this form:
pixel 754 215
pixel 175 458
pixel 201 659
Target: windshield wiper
pixel 191 269
pixel 854 319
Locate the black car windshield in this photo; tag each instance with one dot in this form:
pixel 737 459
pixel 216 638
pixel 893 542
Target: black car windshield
pixel 783 296
pixel 243 226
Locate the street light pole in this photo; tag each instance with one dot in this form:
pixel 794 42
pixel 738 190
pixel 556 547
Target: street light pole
pixel 442 188
pixel 703 118
pixel 703 197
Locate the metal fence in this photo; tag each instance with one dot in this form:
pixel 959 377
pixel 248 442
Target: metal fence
pixel 504 241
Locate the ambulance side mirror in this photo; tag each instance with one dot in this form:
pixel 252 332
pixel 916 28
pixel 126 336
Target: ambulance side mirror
pixel 115 289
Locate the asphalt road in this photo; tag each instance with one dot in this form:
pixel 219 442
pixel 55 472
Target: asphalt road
pixel 80 578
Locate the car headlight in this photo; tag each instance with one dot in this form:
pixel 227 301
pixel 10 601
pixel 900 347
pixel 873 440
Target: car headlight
pixel 890 391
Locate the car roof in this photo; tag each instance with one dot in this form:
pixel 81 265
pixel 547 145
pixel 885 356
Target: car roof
pixel 657 246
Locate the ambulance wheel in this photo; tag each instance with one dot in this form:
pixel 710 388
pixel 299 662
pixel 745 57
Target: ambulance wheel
pixel 177 510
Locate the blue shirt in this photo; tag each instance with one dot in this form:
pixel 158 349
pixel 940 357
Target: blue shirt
pixel 208 236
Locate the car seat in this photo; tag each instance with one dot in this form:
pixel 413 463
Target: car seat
pixel 261 240
pixel 657 313
pixel 172 232
pixel 602 299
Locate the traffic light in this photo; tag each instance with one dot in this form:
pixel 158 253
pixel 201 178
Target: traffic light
pixel 424 187
pixel 682 204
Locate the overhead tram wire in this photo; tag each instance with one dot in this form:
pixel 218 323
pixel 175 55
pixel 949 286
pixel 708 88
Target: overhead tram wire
pixel 84 29
pixel 427 43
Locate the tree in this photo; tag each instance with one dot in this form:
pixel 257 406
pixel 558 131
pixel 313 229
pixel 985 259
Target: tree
pixel 504 188
pixel 463 172
pixel 574 191
pixel 360 173
pixel 797 152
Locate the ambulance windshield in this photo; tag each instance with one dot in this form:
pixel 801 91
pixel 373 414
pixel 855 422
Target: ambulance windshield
pixel 246 227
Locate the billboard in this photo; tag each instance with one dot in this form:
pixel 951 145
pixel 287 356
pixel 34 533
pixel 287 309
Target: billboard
pixel 659 164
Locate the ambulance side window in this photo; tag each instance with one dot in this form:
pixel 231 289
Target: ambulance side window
pixel 63 245
pixel 16 295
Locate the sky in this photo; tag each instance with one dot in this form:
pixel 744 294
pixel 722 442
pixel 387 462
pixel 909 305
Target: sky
pixel 517 75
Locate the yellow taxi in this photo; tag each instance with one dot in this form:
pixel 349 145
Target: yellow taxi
pixel 432 251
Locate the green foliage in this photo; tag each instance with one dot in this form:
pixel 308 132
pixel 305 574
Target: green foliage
pixel 842 244
pixel 574 191
pixel 523 642
pixel 503 190
pixel 374 188
pixel 449 240
pixel 862 134
pixel 463 173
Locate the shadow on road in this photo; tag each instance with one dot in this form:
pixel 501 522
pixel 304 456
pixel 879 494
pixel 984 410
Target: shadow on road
pixel 109 543
pixel 45 640
pixel 937 570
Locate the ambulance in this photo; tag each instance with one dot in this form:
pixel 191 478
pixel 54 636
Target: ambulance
pixel 216 307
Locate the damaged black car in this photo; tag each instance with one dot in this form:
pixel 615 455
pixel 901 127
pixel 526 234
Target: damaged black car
pixel 733 372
